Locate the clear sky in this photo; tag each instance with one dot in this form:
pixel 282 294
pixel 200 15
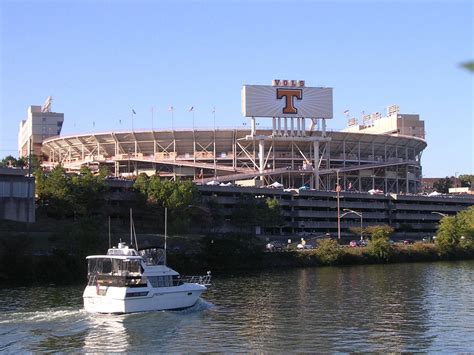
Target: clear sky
pixel 101 59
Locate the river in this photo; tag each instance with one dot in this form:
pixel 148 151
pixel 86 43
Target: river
pixel 426 307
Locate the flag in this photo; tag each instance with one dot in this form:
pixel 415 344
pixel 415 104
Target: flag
pixel 133 111
pixel 171 108
pixel 191 108
pixel 350 186
pixel 346 112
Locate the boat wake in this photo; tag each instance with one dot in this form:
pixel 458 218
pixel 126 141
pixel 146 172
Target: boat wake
pixel 199 306
pixel 40 316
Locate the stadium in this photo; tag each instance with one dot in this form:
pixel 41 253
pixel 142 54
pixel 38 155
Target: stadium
pixel 286 153
pixel 382 153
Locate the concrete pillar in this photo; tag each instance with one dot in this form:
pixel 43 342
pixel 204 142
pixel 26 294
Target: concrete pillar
pixel 316 164
pixel 261 158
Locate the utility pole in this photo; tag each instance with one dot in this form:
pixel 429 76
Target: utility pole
pixel 338 189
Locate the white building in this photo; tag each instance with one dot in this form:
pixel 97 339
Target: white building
pixel 393 123
pixel 40 125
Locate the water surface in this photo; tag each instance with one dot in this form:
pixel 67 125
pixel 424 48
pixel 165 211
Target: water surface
pixel 404 307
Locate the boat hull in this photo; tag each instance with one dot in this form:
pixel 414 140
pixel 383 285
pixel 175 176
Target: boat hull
pixel 111 299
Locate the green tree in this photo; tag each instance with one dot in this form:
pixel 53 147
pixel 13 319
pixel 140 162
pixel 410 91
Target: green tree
pixel 328 251
pixel 40 180
pixel 21 162
pixel 469 66
pixel 443 185
pixel 456 231
pixel 466 180
pixel 9 160
pixel 379 246
pixel 141 183
pixel 56 193
pixel 86 193
pixel 269 214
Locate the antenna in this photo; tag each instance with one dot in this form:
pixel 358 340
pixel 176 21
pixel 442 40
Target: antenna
pixel 47 104
pixel 166 230
pixel 131 228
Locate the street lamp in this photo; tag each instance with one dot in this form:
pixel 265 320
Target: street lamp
pixel 441 214
pixel 347 211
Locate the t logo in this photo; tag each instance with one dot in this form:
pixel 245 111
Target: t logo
pixel 289 94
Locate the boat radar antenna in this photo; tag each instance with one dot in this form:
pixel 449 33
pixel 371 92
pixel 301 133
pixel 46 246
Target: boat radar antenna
pixel 47 104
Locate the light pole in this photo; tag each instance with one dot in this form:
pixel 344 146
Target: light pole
pixel 347 211
pixel 441 214
pixel 338 189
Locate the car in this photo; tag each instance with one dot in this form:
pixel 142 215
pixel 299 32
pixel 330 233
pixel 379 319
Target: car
pixel 361 243
pixel 353 244
pixel 304 246
pixel 274 246
pixel 408 241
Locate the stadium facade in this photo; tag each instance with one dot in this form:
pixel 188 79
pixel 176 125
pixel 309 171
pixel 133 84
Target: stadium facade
pixel 371 169
pixel 382 153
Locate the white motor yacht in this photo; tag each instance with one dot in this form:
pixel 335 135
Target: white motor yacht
pixel 126 280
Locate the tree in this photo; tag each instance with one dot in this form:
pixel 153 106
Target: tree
pixel 9 160
pixel 269 214
pixel 466 180
pixel 379 246
pixel 443 185
pixel 456 231
pixel 328 251
pixel 86 193
pixel 56 193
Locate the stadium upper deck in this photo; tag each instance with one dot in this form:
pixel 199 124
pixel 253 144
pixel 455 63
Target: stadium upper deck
pixel 362 161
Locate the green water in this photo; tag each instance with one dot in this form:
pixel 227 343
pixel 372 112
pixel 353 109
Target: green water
pixel 405 307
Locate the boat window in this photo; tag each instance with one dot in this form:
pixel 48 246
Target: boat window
pixel 152 256
pixel 120 267
pixel 161 281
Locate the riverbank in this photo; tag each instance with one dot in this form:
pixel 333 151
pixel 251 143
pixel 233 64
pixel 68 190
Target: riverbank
pixel 233 255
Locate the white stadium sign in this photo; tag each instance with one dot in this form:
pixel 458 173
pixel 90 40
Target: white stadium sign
pixel 286 98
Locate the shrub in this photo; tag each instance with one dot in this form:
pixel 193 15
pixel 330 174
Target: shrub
pixel 328 252
pixel 379 246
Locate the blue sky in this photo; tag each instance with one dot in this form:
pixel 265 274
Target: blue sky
pixel 100 59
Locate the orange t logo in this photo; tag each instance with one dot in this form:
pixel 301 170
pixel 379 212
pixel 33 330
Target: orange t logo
pixel 289 94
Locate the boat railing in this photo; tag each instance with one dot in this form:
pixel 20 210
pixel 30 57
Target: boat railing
pixel 200 280
pixel 92 280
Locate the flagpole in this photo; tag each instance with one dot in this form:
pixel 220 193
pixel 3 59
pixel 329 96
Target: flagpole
pixel 152 111
pixel 132 120
pixel 172 118
pixel 214 114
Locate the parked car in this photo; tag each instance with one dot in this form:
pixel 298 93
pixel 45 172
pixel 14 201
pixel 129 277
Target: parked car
pixel 275 246
pixel 305 246
pixel 408 241
pixel 353 243
pixel 361 243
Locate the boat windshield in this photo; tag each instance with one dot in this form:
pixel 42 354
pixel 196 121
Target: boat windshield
pixel 152 256
pixel 116 267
